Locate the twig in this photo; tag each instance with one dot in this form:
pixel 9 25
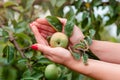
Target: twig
pixel 12 39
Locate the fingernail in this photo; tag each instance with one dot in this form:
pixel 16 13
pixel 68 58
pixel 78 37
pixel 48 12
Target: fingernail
pixel 34 47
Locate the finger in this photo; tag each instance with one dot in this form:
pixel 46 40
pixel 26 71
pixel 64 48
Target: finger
pixel 43 48
pixel 49 57
pixel 38 36
pixel 45 32
pixel 44 27
pixel 42 21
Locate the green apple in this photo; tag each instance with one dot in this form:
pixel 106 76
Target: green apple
pixel 59 39
pixel 52 72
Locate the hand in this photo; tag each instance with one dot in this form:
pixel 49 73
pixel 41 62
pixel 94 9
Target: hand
pixel 57 55
pixel 42 29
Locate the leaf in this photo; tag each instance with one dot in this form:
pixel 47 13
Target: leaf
pixel 76 55
pixel 44 61
pixel 23 60
pixel 29 4
pixel 8 73
pixel 85 58
pixel 20 27
pixel 53 2
pixel 9 14
pixel 29 78
pixel 80 45
pixel 69 27
pixel 111 20
pixel 91 32
pixel 24 36
pixel 88 39
pixel 70 14
pixel 9 52
pixel 85 15
pixel 84 23
pixel 78 3
pixel 55 23
pixel 59 3
pixel 27 73
pixel 9 3
pixel 118 28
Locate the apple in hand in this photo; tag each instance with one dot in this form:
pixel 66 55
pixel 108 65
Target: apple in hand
pixel 59 39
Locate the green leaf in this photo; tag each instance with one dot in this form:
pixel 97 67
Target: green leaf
pixel 29 78
pixel 23 60
pixel 78 3
pixel 84 23
pixel 27 73
pixel 29 4
pixel 118 28
pixel 24 36
pixel 92 33
pixel 59 3
pixel 85 15
pixel 76 55
pixel 9 73
pixel 9 52
pixel 69 27
pixel 9 3
pixel 85 58
pixel 44 60
pixel 88 39
pixel 53 2
pixel 55 23
pixel 80 45
pixel 20 26
pixel 111 20
pixel 9 14
pixel 70 14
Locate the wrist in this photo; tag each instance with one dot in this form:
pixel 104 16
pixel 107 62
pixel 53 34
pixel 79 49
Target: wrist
pixel 70 62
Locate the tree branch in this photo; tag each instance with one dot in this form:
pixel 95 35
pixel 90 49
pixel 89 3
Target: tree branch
pixel 12 39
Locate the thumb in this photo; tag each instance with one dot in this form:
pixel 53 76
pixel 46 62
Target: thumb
pixel 43 48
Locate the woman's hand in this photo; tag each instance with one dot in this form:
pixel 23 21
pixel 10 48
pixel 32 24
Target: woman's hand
pixel 57 55
pixel 42 29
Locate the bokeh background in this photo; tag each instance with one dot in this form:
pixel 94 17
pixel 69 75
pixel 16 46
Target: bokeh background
pixel 19 62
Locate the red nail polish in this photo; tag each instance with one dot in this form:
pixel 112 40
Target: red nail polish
pixel 34 47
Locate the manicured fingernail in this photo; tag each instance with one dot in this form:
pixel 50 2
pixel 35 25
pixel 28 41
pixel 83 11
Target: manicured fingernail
pixel 34 47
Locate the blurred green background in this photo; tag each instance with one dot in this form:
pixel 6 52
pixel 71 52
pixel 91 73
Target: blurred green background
pixel 19 62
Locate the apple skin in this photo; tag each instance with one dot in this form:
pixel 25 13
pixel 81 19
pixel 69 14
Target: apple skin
pixel 59 39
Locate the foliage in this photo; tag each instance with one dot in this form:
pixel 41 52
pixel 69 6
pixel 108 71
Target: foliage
pixel 19 62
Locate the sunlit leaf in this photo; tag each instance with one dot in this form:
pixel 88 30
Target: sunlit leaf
pixel 69 27
pixel 59 3
pixel 53 2
pixel 55 23
pixel 9 3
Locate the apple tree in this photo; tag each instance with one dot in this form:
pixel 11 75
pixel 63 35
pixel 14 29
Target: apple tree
pixel 18 61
